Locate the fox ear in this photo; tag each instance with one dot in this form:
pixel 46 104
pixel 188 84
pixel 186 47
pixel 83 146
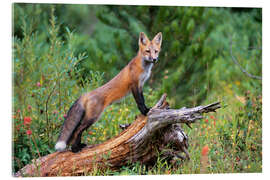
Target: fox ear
pixel 143 39
pixel 158 39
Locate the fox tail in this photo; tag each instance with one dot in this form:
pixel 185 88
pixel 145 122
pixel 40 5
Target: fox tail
pixel 74 116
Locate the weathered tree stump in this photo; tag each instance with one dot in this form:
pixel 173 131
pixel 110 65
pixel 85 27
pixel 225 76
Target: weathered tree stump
pixel 141 141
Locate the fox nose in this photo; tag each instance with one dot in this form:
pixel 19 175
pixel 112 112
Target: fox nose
pixel 155 60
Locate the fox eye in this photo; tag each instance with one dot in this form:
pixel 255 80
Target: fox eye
pixel 148 51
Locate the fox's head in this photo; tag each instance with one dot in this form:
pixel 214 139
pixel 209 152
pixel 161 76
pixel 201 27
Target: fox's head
pixel 150 49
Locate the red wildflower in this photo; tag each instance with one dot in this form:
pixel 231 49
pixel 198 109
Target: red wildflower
pixel 29 107
pixel 38 84
pixel 27 120
pixel 205 150
pixel 29 132
pixel 206 120
pixel 212 117
pixel 18 110
pixel 65 116
pixel 18 127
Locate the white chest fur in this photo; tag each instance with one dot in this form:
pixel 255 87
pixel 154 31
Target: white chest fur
pixel 146 74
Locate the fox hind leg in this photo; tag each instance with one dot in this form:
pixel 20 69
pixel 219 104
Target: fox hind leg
pixel 94 108
pixel 76 144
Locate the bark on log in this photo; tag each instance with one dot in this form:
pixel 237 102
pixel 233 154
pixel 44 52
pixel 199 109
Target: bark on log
pixel 142 141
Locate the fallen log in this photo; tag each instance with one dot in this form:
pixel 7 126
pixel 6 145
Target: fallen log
pixel 142 141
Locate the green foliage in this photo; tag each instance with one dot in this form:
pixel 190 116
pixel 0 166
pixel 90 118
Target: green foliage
pixel 43 74
pixel 184 31
pixel 63 51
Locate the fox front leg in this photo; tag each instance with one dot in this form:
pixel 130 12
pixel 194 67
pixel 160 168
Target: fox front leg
pixel 139 98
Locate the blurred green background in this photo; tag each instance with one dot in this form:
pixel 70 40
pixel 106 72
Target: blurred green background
pixel 61 51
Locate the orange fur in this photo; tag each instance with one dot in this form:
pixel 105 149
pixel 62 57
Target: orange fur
pixel 129 79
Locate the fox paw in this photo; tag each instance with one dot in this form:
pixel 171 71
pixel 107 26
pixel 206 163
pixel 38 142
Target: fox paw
pixel 77 148
pixel 146 110
pixel 82 145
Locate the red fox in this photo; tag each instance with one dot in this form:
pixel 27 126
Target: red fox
pixel 88 108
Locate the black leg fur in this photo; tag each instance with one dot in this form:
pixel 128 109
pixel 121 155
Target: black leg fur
pixel 138 96
pixel 77 145
pixel 76 142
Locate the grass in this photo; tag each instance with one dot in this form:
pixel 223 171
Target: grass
pixel 233 136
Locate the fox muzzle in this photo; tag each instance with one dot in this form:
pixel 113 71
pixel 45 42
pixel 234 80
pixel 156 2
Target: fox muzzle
pixel 152 60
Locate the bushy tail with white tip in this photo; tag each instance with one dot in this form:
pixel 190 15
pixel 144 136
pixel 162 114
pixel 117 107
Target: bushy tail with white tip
pixel 74 116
